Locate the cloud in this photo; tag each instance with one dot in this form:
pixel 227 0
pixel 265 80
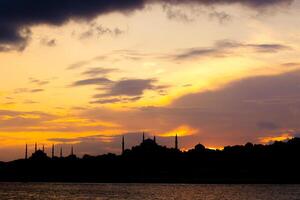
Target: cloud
pixel 98 71
pixel 189 13
pixel 222 17
pixel 13 37
pixel 12 120
pixel 116 100
pixel 38 81
pixel 27 90
pixel 241 111
pixel 37 90
pixel 225 48
pixel 100 30
pixel 78 65
pixel 265 125
pixel 245 110
pixel 48 42
pixel 130 87
pixel 20 121
pixel 127 90
pixel 17 16
pixel 92 81
pixel 177 14
pixel 82 63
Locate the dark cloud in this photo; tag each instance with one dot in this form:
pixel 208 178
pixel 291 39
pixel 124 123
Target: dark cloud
pixel 267 48
pixel 116 100
pixel 93 81
pixel 225 48
pixel 128 90
pixel 106 101
pixel 130 87
pixel 12 36
pixel 17 15
pixel 98 71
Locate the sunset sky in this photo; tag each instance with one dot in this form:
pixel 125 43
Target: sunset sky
pixel 86 72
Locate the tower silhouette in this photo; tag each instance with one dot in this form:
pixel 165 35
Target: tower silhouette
pixel 26 152
pixel 35 147
pixel 176 142
pixel 61 152
pixel 43 148
pixel 52 150
pixel 123 144
pixel 143 136
pixel 154 139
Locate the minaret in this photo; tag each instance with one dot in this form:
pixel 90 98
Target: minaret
pixel 72 153
pixel 176 142
pixel 61 153
pixel 52 150
pixel 143 136
pixel 35 147
pixel 154 139
pixel 26 152
pixel 123 144
pixel 43 148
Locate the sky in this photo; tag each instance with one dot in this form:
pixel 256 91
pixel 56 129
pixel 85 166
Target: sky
pixel 84 73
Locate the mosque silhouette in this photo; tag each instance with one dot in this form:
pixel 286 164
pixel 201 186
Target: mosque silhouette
pixel 278 162
pixel 39 154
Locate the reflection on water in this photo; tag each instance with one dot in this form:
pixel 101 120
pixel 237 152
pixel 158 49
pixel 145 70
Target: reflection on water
pixel 147 191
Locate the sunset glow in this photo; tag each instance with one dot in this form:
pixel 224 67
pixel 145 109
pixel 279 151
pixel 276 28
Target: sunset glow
pixel 219 73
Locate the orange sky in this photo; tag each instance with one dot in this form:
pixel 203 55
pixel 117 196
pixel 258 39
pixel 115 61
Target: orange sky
pixel 218 74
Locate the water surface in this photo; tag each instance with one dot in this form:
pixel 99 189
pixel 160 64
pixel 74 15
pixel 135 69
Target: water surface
pixel 76 191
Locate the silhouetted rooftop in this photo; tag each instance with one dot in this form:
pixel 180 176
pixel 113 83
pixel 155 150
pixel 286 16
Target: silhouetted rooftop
pixel 39 155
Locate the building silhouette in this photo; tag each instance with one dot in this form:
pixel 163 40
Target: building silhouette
pixel 39 155
pixel 176 142
pixel 72 152
pixel 61 152
pixel 123 144
pixel 26 152
pixel 149 161
pixel 143 137
pixel 52 151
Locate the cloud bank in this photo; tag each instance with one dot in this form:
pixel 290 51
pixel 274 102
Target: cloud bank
pixel 17 16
